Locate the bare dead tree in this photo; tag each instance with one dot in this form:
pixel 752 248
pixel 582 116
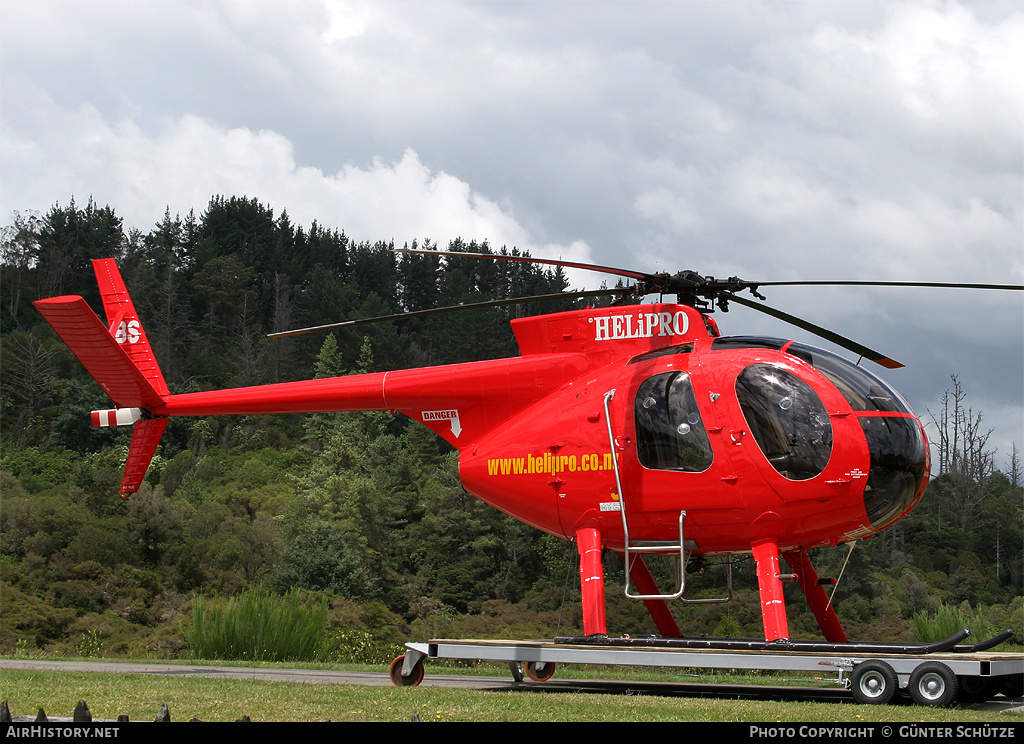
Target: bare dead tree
pixel 963 455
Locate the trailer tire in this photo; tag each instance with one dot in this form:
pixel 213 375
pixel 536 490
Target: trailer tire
pixel 933 683
pixel 540 671
pixel 395 672
pixel 1012 685
pixel 973 689
pixel 874 682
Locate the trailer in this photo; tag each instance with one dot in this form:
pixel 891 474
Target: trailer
pixel 933 675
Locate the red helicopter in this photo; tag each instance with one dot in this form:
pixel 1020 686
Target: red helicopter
pixel 635 428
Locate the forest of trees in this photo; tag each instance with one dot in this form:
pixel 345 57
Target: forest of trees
pixel 364 509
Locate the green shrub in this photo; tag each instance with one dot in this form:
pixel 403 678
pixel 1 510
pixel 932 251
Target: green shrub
pixel 258 625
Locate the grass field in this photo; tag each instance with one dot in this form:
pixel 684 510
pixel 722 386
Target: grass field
pixel 140 697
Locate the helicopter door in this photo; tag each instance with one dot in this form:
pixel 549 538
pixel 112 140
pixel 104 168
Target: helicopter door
pixel 669 449
pixel 669 437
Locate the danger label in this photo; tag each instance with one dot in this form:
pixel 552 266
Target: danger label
pixel 449 415
pixel 440 415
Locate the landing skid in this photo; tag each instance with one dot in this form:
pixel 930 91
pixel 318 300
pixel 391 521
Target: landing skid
pixel 992 642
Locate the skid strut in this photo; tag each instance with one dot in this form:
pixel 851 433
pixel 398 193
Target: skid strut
pixel 773 603
pixel 588 543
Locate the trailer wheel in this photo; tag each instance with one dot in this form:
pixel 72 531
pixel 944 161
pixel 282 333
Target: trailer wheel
pixel 540 671
pixel 1012 685
pixel 395 672
pixel 974 689
pixel 933 683
pixel 874 682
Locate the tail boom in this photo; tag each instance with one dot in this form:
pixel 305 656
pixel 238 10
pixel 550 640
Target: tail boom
pixel 352 393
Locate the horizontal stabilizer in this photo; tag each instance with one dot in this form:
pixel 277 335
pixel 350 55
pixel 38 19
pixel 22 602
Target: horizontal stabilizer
pixel 98 351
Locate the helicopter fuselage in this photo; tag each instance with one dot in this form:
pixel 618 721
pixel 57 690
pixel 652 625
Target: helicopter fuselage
pixel 746 435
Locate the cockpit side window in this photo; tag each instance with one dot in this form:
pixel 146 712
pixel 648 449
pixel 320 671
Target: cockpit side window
pixel 747 342
pixel 670 433
pixel 664 351
pixel 787 420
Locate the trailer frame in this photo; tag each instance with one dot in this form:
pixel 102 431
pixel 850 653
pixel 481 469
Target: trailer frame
pixel 933 679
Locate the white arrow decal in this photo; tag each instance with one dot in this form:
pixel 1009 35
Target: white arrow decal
pixel 449 415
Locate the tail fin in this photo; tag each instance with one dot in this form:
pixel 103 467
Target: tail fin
pixel 124 324
pixel 119 357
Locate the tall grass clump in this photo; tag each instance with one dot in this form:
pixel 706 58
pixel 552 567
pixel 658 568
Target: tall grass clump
pixel 258 625
pixel 950 620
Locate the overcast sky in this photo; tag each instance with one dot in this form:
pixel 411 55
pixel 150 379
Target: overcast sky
pixel 770 140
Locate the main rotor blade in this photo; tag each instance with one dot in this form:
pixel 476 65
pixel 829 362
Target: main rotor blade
pixel 817 330
pixel 451 309
pixel 854 283
pixel 652 278
pixel 628 273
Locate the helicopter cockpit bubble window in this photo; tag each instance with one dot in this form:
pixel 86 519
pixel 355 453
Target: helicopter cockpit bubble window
pixel 670 433
pixel 862 390
pixel 787 420
pixel 898 465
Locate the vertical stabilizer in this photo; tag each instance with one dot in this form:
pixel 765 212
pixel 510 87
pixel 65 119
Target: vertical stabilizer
pixel 145 437
pixel 124 324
